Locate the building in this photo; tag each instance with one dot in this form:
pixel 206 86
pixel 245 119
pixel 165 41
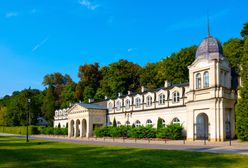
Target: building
pixel 204 106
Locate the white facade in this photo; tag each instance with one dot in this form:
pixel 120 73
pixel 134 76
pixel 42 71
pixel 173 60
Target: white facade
pixel 60 118
pixel 204 106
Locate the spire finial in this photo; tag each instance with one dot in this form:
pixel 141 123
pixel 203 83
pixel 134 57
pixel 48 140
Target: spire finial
pixel 208 25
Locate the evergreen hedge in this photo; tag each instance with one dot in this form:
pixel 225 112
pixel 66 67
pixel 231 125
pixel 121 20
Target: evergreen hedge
pixel 172 131
pixel 32 130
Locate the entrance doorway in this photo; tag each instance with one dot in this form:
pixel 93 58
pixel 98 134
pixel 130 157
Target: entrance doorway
pixel 202 126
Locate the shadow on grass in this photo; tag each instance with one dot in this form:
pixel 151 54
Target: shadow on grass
pixel 53 154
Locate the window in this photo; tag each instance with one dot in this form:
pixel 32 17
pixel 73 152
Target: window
pixel 225 79
pixel 198 81
pixel 206 79
pixel 127 102
pixel 118 105
pixel 176 121
pixel 118 123
pixel 137 123
pixel 161 99
pixel 127 123
pixel 137 102
pixel 110 106
pixel 175 97
pixel 148 100
pixel 110 123
pixel 149 122
pixel 163 122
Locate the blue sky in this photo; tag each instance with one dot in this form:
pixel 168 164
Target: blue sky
pixel 43 36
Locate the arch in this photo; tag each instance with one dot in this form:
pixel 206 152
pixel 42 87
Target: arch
pixel 77 128
pixel 127 123
pixel 202 126
pixel 137 123
pixel 198 80
pixel 206 79
pixel 175 121
pixel 72 128
pixel 148 122
pixel 118 123
pixel 84 127
pixel 161 98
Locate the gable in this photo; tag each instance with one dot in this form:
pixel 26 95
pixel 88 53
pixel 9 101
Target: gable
pixel 76 108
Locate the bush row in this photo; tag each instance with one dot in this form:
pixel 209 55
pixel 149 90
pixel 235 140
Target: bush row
pixel 32 130
pixel 173 131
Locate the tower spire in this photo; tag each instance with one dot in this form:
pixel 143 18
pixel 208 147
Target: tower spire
pixel 208 25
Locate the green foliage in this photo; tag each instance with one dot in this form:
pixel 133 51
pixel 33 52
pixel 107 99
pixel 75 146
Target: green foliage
pixel 102 131
pixel 147 76
pixel 160 123
pixel 114 123
pixel 52 131
pixel 172 131
pixel 142 132
pixel 88 93
pixel 244 31
pixel 19 130
pixel 242 106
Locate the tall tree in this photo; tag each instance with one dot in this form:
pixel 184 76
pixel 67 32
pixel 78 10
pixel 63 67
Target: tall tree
pixel 242 106
pixel 148 76
pixel 120 77
pixel 244 31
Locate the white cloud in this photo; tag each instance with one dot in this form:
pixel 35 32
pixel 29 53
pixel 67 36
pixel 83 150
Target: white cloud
pixel 37 46
pixel 88 4
pixel 131 49
pixel 11 14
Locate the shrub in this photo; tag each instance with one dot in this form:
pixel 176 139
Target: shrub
pixel 172 131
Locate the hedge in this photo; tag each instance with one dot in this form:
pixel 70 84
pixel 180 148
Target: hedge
pixel 32 130
pixel 172 131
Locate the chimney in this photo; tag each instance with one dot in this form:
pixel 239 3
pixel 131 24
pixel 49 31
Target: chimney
pixel 129 92
pixel 119 94
pixel 91 100
pixel 143 89
pixel 167 83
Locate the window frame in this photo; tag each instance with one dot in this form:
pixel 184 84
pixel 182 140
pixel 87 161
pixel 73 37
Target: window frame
pixel 148 101
pixel 176 97
pixel 206 79
pixel 198 80
pixel 161 99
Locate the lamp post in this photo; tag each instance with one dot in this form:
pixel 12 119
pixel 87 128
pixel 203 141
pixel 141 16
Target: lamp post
pixel 28 120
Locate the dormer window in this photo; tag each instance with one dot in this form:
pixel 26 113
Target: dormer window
pixel 127 104
pixel 161 99
pixel 175 97
pixel 137 102
pixel 148 100
pixel 206 79
pixel 198 81
pixel 110 106
pixel 118 105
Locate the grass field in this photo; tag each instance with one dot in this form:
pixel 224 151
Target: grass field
pixel 15 152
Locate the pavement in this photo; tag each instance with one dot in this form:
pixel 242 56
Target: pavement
pixel 197 146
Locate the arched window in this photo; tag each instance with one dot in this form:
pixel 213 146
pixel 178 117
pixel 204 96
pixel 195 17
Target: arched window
pixel 110 106
pixel 148 100
pixel 198 81
pixel 127 102
pixel 149 122
pixel 118 105
pixel 137 102
pixel 175 97
pixel 206 79
pixel 161 99
pixel 163 122
pixel 137 123
pixel 176 121
pixel 118 123
pixel 127 123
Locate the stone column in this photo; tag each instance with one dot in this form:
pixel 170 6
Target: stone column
pixel 69 128
pixel 75 129
pixel 81 128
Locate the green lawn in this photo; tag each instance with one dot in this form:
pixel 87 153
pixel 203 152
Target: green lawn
pixel 15 152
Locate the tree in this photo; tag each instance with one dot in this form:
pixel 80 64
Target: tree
pixel 241 108
pixel 120 76
pixel 88 93
pixel 114 123
pixel 244 31
pixel 48 106
pixel 147 76
pixel 159 123
pixel 67 95
pixel 3 115
pixel 175 67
